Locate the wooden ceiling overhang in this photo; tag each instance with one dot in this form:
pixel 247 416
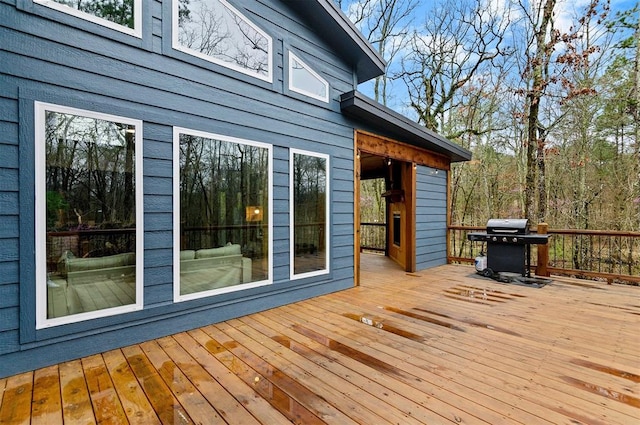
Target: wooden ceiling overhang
pixel 389 135
pixel 375 151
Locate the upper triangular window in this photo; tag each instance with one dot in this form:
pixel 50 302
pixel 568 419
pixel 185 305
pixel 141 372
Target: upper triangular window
pixel 217 32
pixel 304 80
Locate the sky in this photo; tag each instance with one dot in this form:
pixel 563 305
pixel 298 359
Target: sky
pixel 566 13
pixel 565 9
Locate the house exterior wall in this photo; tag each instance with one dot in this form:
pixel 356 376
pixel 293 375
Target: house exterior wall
pixel 431 217
pixel 49 56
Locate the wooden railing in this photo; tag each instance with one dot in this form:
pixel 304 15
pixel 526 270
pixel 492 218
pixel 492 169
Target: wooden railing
pixel 606 255
pixel 373 236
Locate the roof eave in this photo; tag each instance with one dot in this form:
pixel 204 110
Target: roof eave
pixel 340 32
pixel 377 115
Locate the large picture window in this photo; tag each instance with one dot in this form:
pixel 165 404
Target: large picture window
pixel 215 31
pixel 309 195
pixel 122 15
pixel 88 215
pixel 222 210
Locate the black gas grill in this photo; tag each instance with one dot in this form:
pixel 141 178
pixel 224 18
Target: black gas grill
pixel 508 245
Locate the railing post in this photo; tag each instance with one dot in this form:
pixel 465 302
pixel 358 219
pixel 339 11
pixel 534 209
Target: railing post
pixel 543 252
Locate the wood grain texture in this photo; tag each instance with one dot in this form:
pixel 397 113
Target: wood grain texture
pixel 46 406
pixel 76 403
pixel 394 149
pixel 16 402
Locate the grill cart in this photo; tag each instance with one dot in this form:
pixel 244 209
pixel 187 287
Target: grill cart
pixel 509 250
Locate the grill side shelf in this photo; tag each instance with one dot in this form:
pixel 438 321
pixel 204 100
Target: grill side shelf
pixel 529 239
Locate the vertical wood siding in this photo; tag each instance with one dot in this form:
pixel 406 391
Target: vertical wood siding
pixel 49 56
pixel 431 217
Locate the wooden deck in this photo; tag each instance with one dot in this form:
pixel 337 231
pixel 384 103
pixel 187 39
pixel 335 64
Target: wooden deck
pixel 442 346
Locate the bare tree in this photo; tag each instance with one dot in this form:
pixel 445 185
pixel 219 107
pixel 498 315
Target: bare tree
pixel 458 43
pixel 385 23
pixel 211 28
pixel 453 69
pixel 538 59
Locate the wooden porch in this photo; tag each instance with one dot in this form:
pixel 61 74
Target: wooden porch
pixel 444 346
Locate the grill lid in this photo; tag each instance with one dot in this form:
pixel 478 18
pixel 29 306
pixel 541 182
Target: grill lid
pixel 517 226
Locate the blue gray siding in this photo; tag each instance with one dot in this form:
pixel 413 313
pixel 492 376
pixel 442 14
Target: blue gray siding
pixel 52 57
pixel 431 217
pixel 9 222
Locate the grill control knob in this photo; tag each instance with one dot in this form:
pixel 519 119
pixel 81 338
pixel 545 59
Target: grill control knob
pixel 494 239
pixel 515 239
pixel 504 239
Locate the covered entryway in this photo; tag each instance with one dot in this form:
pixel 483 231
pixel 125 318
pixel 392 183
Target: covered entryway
pixel 386 184
pixel 394 162
pixel 415 163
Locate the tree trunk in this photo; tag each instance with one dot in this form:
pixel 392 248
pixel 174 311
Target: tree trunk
pixel 535 137
pixel 542 182
pixel 529 189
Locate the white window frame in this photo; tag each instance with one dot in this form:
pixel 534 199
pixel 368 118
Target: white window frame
pixel 292 57
pixel 177 297
pixel 327 234
pixel 136 31
pixel 177 46
pixel 41 222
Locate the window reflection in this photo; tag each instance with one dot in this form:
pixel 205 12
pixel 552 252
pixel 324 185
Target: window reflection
pixel 90 214
pixel 224 225
pixel 309 190
pixel 117 11
pixel 215 30
pixel 306 81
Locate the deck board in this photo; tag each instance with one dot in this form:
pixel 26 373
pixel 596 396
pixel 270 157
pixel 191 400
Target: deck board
pixel 167 407
pixel 134 402
pixel 16 403
pixel 381 386
pixel 195 404
pixel 46 405
pixel 76 403
pixel 454 350
pixel 442 346
pixel 106 406
pixel 461 383
pixel 405 366
pixel 337 391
